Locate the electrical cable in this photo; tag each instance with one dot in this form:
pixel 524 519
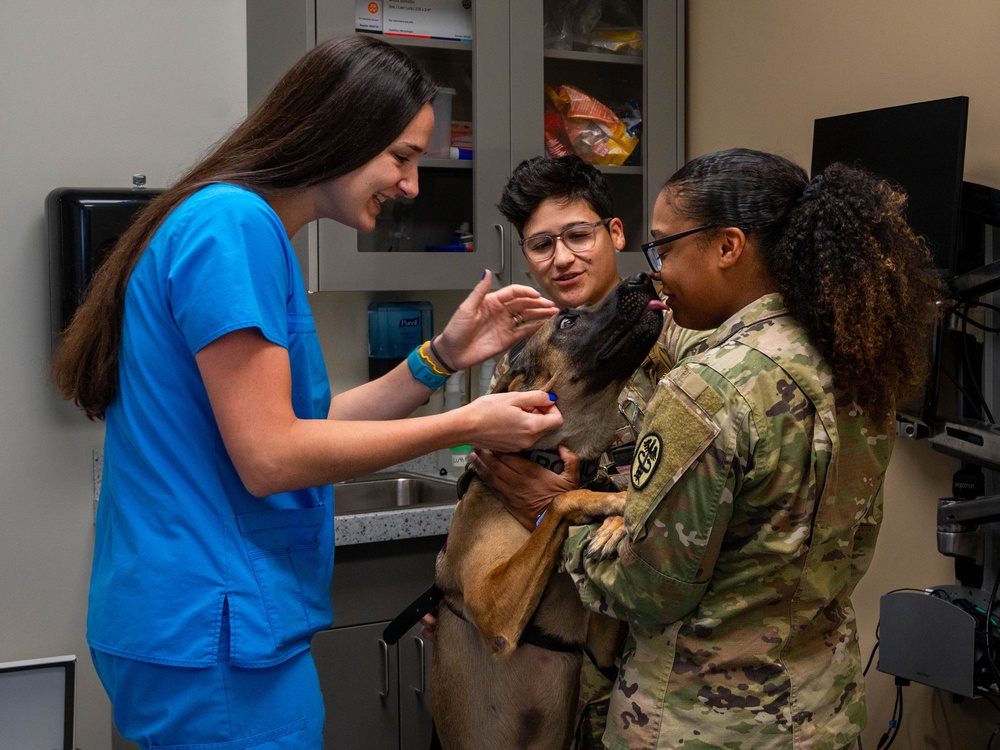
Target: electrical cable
pixel 985 696
pixel 954 381
pixel 990 653
pixel 967 304
pixel 993 737
pixel 985 407
pixel 894 723
pixel 871 656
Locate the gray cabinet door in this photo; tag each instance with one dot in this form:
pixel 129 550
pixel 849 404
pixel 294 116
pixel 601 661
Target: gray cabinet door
pixel 654 80
pixel 358 674
pixel 452 192
pixel 414 691
pixel 499 79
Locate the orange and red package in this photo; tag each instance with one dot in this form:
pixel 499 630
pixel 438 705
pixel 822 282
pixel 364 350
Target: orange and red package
pixel 578 123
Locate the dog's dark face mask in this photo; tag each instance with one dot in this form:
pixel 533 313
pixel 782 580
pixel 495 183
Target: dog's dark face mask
pixel 592 347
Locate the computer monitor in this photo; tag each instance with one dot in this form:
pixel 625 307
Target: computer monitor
pixel 38 703
pixel 919 147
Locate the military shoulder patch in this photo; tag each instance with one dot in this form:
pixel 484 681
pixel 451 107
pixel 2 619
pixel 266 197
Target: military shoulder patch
pixel 647 458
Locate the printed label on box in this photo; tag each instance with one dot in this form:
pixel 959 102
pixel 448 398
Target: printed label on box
pixel 435 19
pixel 461 133
pixel 367 15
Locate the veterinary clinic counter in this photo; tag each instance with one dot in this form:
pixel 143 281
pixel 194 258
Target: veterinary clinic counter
pixel 392 525
pixel 417 520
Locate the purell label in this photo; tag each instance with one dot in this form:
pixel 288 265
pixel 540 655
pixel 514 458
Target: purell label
pixel 409 322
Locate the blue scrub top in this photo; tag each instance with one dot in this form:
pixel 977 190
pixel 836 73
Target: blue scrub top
pixel 178 535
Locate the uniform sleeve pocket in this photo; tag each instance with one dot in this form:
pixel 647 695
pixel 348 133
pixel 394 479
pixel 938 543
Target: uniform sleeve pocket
pixel 679 429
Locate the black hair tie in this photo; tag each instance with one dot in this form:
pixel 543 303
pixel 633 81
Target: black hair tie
pixel 812 189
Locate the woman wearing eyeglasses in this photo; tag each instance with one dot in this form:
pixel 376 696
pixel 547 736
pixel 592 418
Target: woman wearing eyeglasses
pixel 755 494
pixel 562 209
pixel 196 343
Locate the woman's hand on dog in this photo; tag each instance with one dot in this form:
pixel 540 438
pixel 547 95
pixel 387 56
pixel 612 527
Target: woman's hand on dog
pixel 526 488
pixel 488 323
pixel 510 421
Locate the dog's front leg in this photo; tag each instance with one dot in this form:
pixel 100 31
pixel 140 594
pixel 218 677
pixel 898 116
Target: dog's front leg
pixel 503 606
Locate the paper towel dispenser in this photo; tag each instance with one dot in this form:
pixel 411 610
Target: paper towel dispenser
pixel 83 225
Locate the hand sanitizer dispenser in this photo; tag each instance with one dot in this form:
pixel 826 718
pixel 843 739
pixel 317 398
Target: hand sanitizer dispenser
pixel 394 330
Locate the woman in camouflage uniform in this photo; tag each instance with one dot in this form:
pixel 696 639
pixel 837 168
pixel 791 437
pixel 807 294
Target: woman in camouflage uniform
pixel 755 493
pixel 566 196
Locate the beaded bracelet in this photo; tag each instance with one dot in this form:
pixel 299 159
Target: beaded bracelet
pixel 424 369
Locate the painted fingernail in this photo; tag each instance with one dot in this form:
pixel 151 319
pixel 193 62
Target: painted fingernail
pixel 552 397
pixel 483 276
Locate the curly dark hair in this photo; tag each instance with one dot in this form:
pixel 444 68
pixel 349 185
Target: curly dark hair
pixel 848 265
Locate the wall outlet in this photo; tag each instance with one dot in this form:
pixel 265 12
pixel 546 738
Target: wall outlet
pixel 98 475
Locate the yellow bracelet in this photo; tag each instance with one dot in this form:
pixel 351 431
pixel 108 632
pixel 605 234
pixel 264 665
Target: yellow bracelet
pixel 430 362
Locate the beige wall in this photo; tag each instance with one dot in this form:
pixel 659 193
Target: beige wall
pixel 759 73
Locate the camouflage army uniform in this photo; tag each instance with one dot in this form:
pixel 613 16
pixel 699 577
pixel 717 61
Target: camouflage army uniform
pixel 753 510
pixel 613 474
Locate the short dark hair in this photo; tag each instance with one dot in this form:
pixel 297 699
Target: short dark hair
pixel 567 178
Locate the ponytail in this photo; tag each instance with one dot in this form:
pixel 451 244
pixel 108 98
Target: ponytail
pixel 838 248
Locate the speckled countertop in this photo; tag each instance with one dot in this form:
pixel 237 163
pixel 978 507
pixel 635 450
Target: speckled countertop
pixel 389 525
pixel 404 523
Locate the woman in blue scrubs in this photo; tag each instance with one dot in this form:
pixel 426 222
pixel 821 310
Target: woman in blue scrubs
pixel 196 344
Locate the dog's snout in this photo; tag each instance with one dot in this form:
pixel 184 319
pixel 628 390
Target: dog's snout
pixel 639 279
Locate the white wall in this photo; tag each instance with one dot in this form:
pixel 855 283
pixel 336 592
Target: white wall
pixel 759 73
pixel 91 92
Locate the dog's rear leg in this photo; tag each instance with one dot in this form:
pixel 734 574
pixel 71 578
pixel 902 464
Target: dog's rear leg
pixel 510 593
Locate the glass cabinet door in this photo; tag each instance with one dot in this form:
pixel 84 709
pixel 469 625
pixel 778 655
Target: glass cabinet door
pixel 625 56
pixel 451 232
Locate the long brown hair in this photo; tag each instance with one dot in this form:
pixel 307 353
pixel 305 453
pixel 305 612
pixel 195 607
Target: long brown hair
pixel 340 106
pixel 849 267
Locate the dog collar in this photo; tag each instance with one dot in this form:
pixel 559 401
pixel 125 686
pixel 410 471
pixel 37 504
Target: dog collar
pixel 552 461
pixel 532 635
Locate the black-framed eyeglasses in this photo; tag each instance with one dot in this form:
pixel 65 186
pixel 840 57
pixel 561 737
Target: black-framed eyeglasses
pixel 578 238
pixel 652 254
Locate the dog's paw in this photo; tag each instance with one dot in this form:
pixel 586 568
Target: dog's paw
pixel 604 544
pixel 586 506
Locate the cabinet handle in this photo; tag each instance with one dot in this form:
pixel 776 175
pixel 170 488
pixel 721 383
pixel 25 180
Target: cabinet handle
pixel 384 648
pixel 423 667
pixel 503 250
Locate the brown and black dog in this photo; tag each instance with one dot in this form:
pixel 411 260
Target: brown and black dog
pixel 492 688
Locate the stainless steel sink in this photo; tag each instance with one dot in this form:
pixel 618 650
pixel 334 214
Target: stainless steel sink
pixel 392 491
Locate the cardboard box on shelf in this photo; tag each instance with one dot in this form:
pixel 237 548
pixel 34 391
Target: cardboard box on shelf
pixel 368 15
pixel 461 134
pixel 431 19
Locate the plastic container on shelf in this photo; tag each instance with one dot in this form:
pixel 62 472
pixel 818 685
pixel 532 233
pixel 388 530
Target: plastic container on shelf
pixel 439 146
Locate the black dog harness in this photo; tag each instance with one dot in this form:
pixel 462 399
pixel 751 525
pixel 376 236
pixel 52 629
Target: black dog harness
pixel 552 461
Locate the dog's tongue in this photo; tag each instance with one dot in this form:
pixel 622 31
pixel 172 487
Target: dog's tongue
pixel 656 304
